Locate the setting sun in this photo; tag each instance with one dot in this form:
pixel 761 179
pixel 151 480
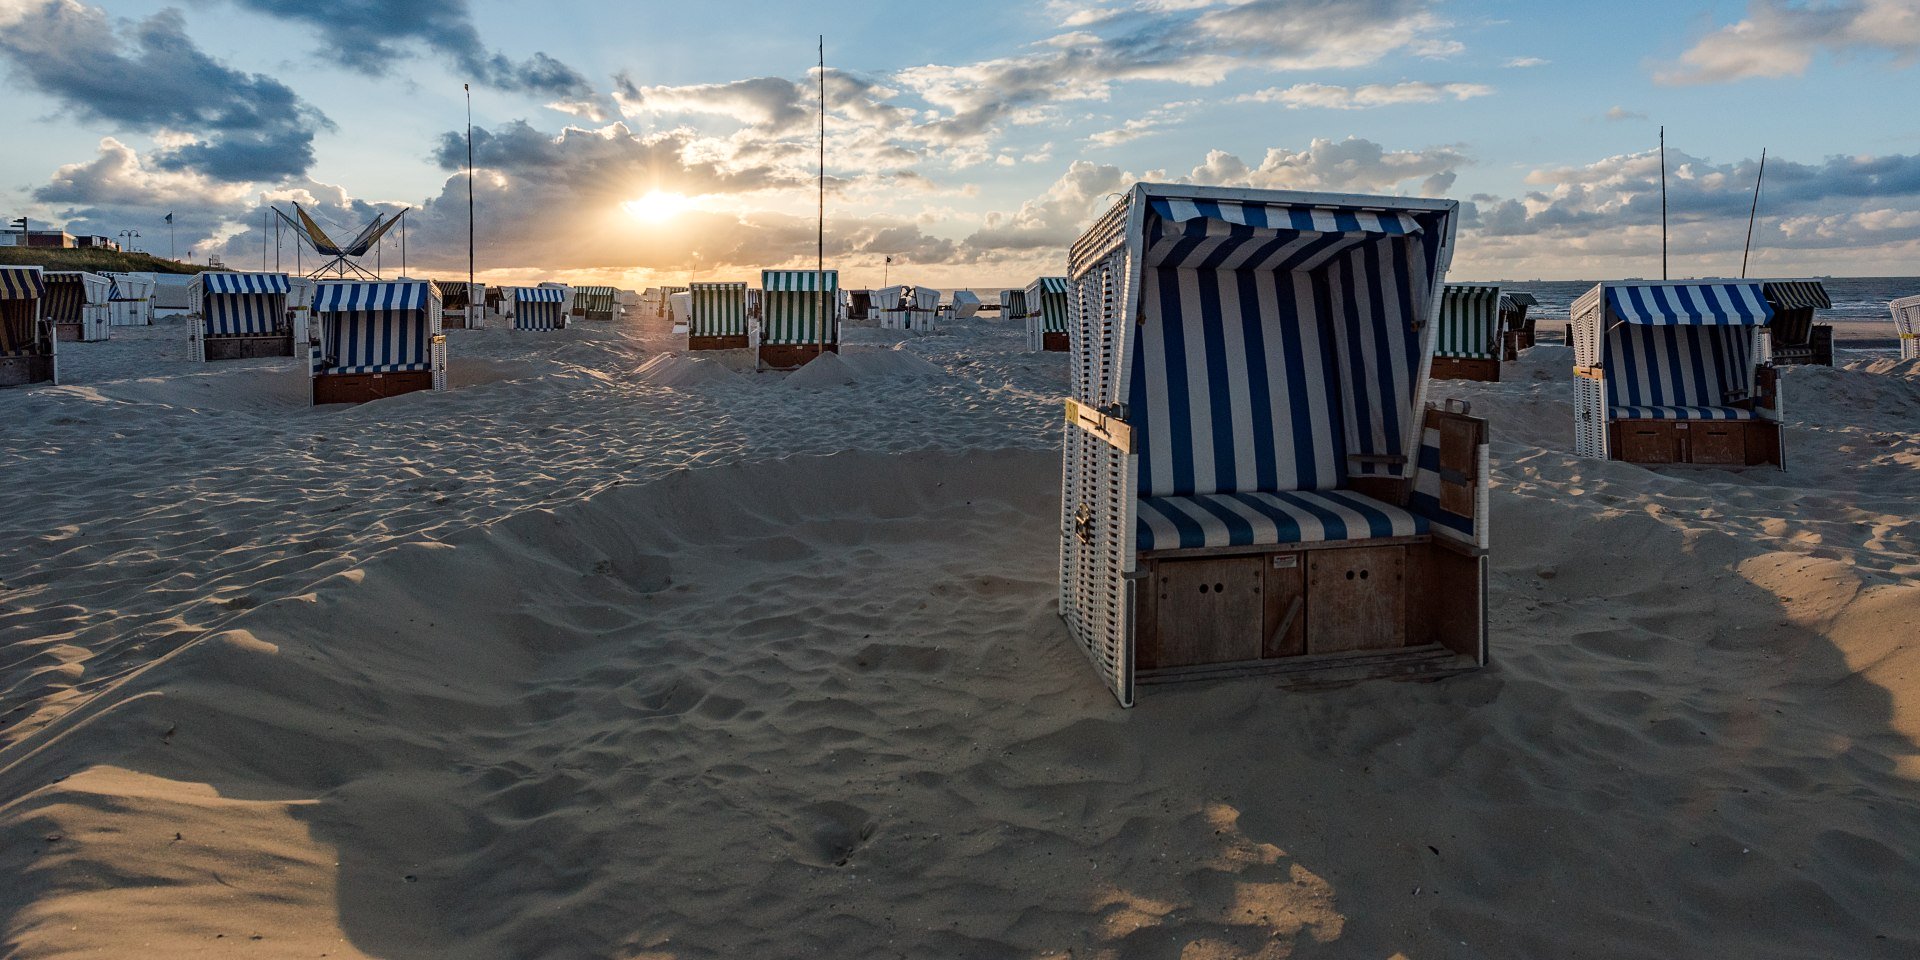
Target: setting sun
pixel 658 206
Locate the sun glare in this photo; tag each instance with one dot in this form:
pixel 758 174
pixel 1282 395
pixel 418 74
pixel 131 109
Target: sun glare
pixel 659 206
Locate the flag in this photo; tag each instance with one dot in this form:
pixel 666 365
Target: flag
pixel 169 218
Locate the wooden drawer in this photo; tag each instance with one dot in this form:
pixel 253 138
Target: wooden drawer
pixel 1716 441
pixel 1205 611
pixel 1356 599
pixel 1644 441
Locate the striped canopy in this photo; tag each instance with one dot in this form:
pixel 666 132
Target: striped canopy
pixel 1013 303
pixel 21 283
pixel 1705 304
pixel 214 282
pixel 340 296
pixel 594 299
pixel 1469 321
pixel 1522 299
pixel 1226 235
pixel 1047 297
pixel 793 309
pixel 1797 295
pixel 717 309
pixel 539 294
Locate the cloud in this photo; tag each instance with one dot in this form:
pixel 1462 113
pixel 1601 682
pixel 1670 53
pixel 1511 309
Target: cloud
pixel 1192 43
pixel 1778 39
pixel 1331 97
pixel 149 76
pixel 1521 63
pixel 1618 113
pixel 367 35
pixel 1056 217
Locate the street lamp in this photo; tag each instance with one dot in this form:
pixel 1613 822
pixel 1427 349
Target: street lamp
pixel 126 239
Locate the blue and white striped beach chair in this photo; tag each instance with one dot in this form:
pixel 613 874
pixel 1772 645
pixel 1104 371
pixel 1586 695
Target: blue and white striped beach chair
pixel 717 316
pixel 240 315
pixel 1668 372
pixel 374 339
pixel 537 308
pixel 1467 344
pixel 28 353
pixel 1046 303
pixel 1252 479
pixel 799 316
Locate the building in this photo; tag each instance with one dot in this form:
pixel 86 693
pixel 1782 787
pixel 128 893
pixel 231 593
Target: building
pixel 17 237
pixel 96 243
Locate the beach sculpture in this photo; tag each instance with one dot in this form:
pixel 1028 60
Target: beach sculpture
pixel 375 339
pixel 236 316
pixel 1669 372
pixel 1253 480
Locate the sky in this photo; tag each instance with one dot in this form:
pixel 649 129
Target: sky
pixel 647 143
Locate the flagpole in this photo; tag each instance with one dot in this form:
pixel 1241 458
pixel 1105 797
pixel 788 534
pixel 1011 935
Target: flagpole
pixel 820 250
pixel 469 90
pixel 1751 214
pixel 1663 203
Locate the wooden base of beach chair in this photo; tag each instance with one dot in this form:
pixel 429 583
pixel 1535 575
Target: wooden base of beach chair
pixel 453 321
pixel 362 387
pixel 20 371
pixel 249 348
pixel 1483 369
pixel 1312 614
pixel 1514 341
pixel 1055 342
pixel 782 356
pixel 1706 443
pixel 68 332
pixel 717 343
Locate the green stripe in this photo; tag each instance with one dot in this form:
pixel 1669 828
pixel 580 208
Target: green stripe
pixel 1469 322
pixel 717 310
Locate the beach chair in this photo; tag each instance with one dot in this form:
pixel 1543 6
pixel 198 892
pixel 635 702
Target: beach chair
pixel 1792 337
pixel 462 304
pixel 595 303
pixel 1906 325
pixel 28 351
pixel 666 303
pixel 375 339
pixel 77 305
pixel 237 316
pixel 963 305
pixel 1468 342
pixel 1252 480
pixel 131 303
pixel 921 312
pixel 717 316
pixel 1667 372
pixel 536 308
pixel 1516 327
pixel 799 316
pixel 1046 301
pixel 1013 304
pixel 680 311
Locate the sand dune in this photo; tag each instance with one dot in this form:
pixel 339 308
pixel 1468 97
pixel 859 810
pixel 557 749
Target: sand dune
pixel 617 653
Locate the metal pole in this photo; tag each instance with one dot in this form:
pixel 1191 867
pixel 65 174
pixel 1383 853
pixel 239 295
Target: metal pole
pixel 1663 202
pixel 469 89
pixel 263 241
pixel 820 251
pixel 403 243
pixel 1751 214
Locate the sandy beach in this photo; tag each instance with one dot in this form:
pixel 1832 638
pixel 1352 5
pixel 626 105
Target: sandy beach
pixel 614 652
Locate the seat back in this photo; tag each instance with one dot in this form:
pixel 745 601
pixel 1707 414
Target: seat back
pixel 1678 366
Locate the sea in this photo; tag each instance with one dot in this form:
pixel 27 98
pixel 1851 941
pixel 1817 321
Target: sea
pixel 1858 302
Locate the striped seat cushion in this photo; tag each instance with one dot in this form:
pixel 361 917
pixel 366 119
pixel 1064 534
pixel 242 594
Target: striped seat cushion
pixel 1679 413
pixel 1267 519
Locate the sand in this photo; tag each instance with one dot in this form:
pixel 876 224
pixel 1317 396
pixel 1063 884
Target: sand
pixel 614 652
